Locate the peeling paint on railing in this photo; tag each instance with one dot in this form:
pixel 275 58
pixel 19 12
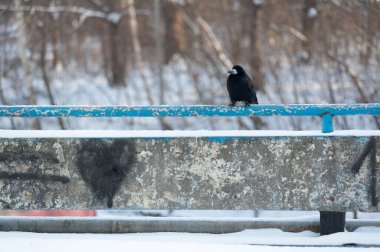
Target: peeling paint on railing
pixel 191 110
pixel 327 112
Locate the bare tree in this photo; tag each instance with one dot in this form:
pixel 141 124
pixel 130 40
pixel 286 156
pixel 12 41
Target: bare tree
pixel 138 56
pixel 309 16
pixel 3 99
pixel 44 70
pixel 26 63
pixel 252 9
pixel 174 29
pixel 159 48
pixel 107 12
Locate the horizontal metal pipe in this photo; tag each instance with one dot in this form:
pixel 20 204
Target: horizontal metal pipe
pixel 190 110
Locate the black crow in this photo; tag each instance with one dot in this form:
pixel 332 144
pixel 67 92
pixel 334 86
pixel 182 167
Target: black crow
pixel 240 87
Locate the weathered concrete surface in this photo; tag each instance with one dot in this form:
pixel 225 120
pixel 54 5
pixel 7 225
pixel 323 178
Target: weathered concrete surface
pixel 337 173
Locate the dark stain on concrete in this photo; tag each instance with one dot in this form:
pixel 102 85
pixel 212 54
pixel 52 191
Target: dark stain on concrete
pixel 34 176
pixel 103 165
pixel 25 154
pixel 372 189
pixel 369 150
pixel 371 145
pixel 28 156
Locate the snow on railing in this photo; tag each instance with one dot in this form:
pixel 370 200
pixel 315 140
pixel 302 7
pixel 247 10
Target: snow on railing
pixel 327 111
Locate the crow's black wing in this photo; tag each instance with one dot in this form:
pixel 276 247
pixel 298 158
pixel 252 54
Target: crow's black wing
pixel 250 83
pixel 252 89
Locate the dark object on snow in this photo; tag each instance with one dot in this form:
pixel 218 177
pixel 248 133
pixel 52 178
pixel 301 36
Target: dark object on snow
pixel 240 87
pixel 332 222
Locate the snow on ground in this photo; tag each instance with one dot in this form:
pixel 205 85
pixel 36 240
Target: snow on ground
pixel 248 240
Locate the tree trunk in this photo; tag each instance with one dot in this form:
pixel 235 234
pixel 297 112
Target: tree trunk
pixel 309 16
pixel 117 66
pixel 253 9
pixel 138 56
pixel 175 35
pixel 44 72
pixel 159 49
pixel 2 97
pixel 26 64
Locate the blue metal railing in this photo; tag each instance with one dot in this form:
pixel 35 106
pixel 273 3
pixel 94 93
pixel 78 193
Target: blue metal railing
pixel 327 112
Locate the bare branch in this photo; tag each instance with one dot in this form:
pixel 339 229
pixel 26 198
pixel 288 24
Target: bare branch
pixel 113 17
pixel 217 46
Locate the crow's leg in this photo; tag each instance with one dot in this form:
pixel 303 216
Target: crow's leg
pixel 246 104
pixel 232 103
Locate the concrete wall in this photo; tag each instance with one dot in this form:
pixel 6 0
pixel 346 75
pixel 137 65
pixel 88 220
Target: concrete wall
pixel 274 172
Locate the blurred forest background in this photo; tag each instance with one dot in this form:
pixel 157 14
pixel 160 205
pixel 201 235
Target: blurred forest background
pixel 100 52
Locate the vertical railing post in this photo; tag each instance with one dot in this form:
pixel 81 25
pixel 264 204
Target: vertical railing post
pixel 327 123
pixel 330 221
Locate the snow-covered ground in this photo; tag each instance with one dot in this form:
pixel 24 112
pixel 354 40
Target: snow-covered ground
pixel 249 240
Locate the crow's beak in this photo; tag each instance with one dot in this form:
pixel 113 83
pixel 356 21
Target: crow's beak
pixel 232 71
